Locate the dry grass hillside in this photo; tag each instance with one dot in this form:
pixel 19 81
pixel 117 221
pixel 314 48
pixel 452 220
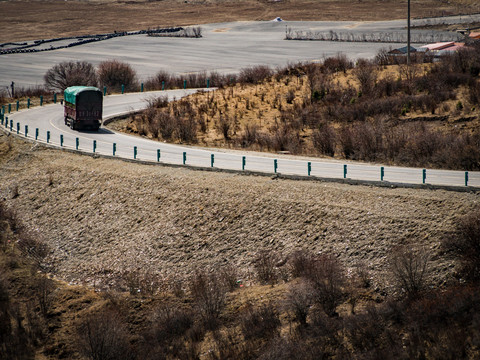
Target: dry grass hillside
pixel 27 20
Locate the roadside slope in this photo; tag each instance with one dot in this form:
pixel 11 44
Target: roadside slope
pixel 102 217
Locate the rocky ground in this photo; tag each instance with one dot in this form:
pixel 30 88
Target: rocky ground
pixel 102 217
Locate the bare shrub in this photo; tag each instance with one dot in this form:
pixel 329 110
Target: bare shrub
pixel 142 281
pixel 260 322
pixel 113 74
pixel 166 124
pixel 224 125
pixel 171 322
pixel 29 244
pixel 186 129
pixel 229 276
pixel 104 336
pixel 366 76
pixel 340 62
pixel 301 263
pixel 208 293
pixel 255 74
pixel 324 139
pixel 409 270
pixel 250 135
pixel 299 300
pixel 327 279
pixel 265 266
pixel 465 244
pixel 70 73
pixel 44 291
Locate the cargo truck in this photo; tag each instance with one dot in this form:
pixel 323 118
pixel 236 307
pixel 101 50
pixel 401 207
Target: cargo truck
pixel 83 107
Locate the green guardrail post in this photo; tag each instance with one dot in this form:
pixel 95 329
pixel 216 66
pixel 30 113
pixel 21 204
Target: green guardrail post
pixel 11 125
pixel 141 87
pixel 114 148
pixel 184 157
pixel 244 162
pixel 77 143
pixel 424 175
pixel 6 121
pixel 26 130
pixel 18 105
pixel 163 85
pixel 135 152
pixel 9 108
pixel 123 89
pixel 3 109
pixel 94 145
pixel 54 98
pixel 36 133
pixel 104 91
pixel 61 139
pixel 208 83
pixel 1 118
pixel 158 155
pixel 18 128
pixel 41 100
pixel 344 171
pixel 48 137
pixel 275 165
pixel 28 103
pixel 184 84
pixel 466 178
pixel 212 160
pixel 382 173
pixel 309 168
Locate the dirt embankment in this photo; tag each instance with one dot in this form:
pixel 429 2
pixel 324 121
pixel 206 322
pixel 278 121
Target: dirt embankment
pixel 101 217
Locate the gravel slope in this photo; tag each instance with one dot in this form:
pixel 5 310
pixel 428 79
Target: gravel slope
pixel 101 216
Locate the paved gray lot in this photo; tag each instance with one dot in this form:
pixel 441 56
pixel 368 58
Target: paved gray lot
pixel 225 47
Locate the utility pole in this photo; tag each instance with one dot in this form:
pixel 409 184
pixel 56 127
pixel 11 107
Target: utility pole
pixel 408 35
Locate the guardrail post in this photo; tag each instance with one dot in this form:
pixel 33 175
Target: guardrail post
pixel 114 148
pixel 275 165
pixel 54 98
pixel 184 157
pixel 184 84
pixel 212 160
pixel 6 122
pixel 28 103
pixel 244 162
pixel 36 134
pixel 11 125
pixel 18 105
pixel 382 173
pixel 466 178
pixel 9 108
pixel 1 118
pixel 141 87
pixel 424 175
pixel 61 139
pixel 41 100
pixel 18 128
pixel 158 155
pixel 77 143
pixel 26 130
pixel 344 171
pixel 48 137
pixel 94 145
pixel 309 168
pixel 104 91
pixel 123 88
pixel 3 109
pixel 208 83
pixel 163 85
pixel 135 152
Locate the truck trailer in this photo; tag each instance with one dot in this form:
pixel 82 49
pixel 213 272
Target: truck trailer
pixel 83 107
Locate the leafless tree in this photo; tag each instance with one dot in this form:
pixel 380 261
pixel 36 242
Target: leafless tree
pixel 113 74
pixel 409 270
pixel 70 73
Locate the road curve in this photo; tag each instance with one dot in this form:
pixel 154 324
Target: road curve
pixel 49 119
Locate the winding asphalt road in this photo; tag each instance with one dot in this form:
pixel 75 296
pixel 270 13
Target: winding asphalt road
pixel 50 118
